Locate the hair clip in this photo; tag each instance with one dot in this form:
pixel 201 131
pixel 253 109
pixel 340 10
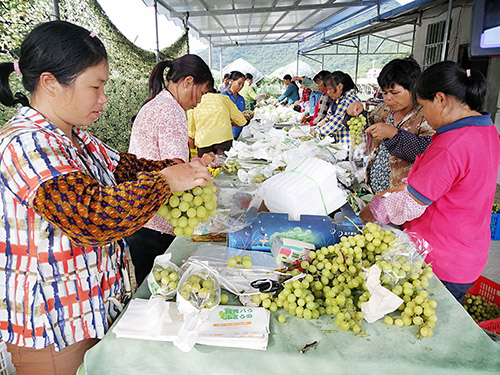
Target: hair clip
pixel 93 35
pixel 467 72
pixel 16 67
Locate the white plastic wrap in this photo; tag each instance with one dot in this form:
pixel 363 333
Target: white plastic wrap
pixel 308 186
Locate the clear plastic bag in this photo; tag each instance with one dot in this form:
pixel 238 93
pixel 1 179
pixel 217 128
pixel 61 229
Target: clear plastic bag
pixel 405 260
pixel 198 293
pixel 236 280
pixel 164 277
pixel 199 287
pixel 236 209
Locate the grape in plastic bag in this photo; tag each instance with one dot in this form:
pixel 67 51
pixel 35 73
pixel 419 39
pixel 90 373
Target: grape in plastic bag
pixel 164 277
pixel 200 287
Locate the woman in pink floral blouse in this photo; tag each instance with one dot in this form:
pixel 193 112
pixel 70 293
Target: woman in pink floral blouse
pixel 160 131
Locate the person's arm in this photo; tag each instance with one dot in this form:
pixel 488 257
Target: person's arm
pixel 323 105
pixel 237 117
pixel 129 166
pixel 406 145
pixel 334 122
pixel 251 93
pixel 191 123
pixel 94 215
pixel 395 207
pixel 287 93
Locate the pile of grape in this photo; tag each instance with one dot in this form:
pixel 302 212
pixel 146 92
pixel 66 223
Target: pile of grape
pixel 186 209
pixel 480 309
pixel 333 283
pixel 200 291
pixel 356 125
pixel 231 166
pixel 495 208
pixel 258 179
pixel 167 278
pixel 240 262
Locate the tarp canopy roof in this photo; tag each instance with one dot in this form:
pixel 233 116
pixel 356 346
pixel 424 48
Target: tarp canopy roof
pixel 395 25
pixel 246 22
pixel 244 67
pixel 305 70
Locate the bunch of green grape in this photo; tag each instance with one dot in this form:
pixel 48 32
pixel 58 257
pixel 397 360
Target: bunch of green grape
pixel 185 210
pixel 200 290
pixel 495 208
pixel 231 166
pixel 167 278
pixel 333 283
pixel 479 308
pixel 258 179
pixel 356 126
pixel 240 262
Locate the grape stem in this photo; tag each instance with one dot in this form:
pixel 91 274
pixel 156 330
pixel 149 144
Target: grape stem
pixel 345 217
pixel 311 345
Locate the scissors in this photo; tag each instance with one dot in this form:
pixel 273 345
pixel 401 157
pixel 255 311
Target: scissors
pixel 266 285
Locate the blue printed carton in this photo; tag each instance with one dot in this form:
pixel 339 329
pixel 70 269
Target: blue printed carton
pixel 318 230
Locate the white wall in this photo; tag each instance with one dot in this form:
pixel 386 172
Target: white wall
pixel 460 34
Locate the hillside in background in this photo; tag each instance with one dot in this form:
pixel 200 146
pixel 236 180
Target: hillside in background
pixel 268 58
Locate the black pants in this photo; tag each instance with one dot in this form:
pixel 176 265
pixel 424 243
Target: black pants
pixel 145 245
pixel 217 148
pixel 457 290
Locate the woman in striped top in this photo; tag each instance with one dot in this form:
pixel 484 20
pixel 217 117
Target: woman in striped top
pixel 67 200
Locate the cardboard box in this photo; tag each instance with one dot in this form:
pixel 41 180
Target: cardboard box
pixel 286 250
pixel 318 230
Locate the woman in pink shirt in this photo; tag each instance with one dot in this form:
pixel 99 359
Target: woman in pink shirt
pixel 451 186
pixel 160 131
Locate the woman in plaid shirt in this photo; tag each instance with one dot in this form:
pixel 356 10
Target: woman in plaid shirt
pixel 67 200
pixel 343 92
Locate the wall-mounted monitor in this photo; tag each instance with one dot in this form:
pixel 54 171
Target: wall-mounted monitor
pixel 485 28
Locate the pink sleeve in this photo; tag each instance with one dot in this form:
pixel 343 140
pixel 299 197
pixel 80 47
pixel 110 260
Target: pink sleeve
pixel 436 165
pixel 396 208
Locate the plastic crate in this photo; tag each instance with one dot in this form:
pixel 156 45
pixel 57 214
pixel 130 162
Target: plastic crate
pixel 490 290
pixel 495 226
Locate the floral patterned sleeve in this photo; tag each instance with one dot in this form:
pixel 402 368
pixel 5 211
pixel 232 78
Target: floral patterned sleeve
pixel 94 215
pixel 396 207
pixel 130 165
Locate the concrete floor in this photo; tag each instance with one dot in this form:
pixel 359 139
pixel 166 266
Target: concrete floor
pixel 492 269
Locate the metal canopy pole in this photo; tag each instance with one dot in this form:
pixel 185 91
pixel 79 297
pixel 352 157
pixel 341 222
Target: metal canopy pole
pixel 220 64
pixel 444 50
pixel 298 49
pixel 186 27
pixel 357 62
pixel 413 37
pixel 56 15
pixel 157 52
pixel 210 52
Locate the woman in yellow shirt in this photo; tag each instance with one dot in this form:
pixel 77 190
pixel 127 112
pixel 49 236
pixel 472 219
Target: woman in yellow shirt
pixel 211 121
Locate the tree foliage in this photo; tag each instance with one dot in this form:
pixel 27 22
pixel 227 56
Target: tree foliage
pixel 129 65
